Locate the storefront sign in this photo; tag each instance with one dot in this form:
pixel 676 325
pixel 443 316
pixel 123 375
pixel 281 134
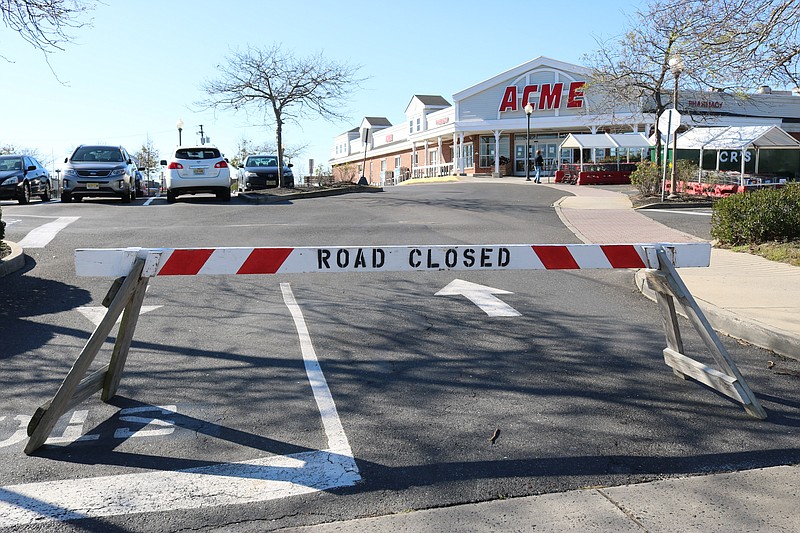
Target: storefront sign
pixel 705 104
pixel 549 96
pixel 442 121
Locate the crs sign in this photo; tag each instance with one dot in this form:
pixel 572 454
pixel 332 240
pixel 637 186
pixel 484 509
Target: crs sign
pixel 731 156
pixel 543 96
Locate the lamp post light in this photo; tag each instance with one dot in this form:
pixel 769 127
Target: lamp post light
pixel 676 66
pixel 528 111
pixel 179 125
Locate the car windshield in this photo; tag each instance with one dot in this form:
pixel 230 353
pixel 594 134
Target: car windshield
pixel 97 153
pixel 261 162
pixel 197 153
pixel 10 163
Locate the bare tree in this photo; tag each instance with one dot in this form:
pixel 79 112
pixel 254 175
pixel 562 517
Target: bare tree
pixel 282 88
pixel 147 157
pixel 247 147
pixel 44 23
pixel 730 45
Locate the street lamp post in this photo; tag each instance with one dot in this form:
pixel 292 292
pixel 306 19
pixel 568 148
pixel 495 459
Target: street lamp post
pixel 179 125
pixel 528 111
pixel 676 65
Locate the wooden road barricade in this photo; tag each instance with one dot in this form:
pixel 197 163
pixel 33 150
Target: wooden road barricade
pixel 135 266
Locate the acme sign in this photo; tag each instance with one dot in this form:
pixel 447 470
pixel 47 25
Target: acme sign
pixel 544 96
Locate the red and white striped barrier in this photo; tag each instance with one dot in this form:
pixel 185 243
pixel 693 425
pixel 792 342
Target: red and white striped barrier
pixel 225 261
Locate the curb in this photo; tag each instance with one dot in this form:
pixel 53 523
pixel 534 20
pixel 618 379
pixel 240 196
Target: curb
pixel 676 205
pixel 769 338
pixel 259 199
pixel 13 262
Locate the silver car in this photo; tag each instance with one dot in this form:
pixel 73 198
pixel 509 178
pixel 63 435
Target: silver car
pixel 94 170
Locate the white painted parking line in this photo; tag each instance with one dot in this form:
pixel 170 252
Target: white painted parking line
pixel 258 480
pixel 41 236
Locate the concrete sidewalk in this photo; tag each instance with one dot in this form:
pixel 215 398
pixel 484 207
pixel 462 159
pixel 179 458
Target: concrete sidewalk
pixel 742 295
pixel 763 500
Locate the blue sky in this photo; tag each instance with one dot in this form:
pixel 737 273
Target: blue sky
pixel 141 64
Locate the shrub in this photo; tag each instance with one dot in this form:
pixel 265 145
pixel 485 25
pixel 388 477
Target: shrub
pixel 761 216
pixel 646 178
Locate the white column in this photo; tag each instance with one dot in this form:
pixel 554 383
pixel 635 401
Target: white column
pixel 427 159
pixel 461 154
pixel 439 155
pixel 413 154
pixel 497 151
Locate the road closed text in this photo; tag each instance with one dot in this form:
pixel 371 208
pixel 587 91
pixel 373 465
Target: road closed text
pixel 412 258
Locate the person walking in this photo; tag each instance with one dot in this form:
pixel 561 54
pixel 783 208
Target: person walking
pixel 538 165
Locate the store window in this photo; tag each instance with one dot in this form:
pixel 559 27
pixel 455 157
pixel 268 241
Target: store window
pixel 397 162
pixel 487 150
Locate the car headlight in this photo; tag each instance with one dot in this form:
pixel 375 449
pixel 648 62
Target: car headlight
pixel 71 172
pixel 11 181
pixel 250 174
pixel 118 172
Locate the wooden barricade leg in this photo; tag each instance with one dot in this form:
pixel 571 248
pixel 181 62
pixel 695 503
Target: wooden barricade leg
pixel 669 287
pixel 126 328
pixel 74 389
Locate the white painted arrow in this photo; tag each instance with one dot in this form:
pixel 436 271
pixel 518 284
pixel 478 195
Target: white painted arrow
pixel 480 295
pixel 96 314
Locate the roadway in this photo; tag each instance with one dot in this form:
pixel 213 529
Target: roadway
pixel 222 406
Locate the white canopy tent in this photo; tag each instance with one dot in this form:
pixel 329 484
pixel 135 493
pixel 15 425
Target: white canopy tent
pixel 627 141
pixel 737 138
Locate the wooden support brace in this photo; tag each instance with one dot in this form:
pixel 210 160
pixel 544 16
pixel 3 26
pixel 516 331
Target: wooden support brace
pixel 669 287
pixel 41 426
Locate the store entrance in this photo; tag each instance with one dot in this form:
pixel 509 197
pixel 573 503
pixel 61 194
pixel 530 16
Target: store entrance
pixel 549 148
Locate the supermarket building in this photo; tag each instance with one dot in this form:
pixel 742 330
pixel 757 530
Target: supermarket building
pixel 484 132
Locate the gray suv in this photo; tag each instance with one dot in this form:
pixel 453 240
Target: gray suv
pixel 94 170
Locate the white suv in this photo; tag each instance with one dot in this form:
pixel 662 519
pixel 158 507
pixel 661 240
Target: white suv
pixel 194 169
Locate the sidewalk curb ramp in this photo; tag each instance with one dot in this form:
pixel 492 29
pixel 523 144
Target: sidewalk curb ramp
pixel 762 335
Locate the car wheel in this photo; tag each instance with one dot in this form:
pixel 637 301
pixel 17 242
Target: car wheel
pixel 66 197
pixel 171 197
pixel 133 193
pixel 45 196
pixel 224 195
pixel 77 198
pixel 126 197
pixel 25 194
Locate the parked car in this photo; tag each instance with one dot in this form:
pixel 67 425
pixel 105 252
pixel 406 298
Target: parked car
pixel 22 177
pixel 197 169
pixel 261 172
pixel 139 185
pixel 94 170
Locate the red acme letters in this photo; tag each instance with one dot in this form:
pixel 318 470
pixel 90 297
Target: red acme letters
pixel 549 96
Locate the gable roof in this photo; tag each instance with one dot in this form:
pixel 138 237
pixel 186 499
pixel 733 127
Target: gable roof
pixel 428 100
pixel 377 121
pixel 519 70
pixel 736 138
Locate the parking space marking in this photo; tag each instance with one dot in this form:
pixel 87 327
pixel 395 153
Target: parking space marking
pixel 258 480
pixel 41 236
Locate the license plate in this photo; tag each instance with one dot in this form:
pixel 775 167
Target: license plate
pixel 92 186
pixel 199 171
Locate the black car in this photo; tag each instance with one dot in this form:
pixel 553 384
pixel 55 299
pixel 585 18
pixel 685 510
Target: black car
pixel 261 172
pixel 22 177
